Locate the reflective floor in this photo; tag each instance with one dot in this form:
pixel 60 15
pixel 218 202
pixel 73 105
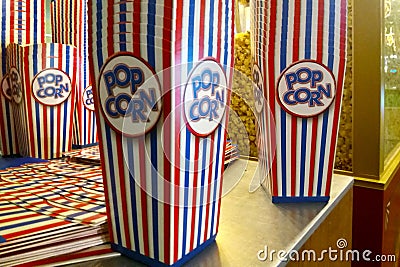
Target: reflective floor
pixel 249 222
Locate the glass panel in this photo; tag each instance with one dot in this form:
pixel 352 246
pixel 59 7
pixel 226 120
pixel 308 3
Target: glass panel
pixel 241 127
pixel 391 78
pixel 344 148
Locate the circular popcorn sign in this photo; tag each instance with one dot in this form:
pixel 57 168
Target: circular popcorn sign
pixel 205 97
pixel 5 88
pixel 51 87
pixel 306 89
pixel 129 95
pixel 87 98
pixel 15 82
pixel 258 88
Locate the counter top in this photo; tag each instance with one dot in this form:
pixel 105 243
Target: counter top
pixel 250 221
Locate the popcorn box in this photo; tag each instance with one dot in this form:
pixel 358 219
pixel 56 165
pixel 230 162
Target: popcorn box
pixel 44 103
pixel 21 23
pixel 162 146
pixel 69 26
pixel 299 64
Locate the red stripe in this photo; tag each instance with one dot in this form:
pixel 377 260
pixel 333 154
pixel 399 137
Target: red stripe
pixel 92 219
pixel 44 143
pixel 271 86
pixel 71 102
pixel 42 25
pixel 194 189
pixel 67 257
pixel 314 127
pixel 98 121
pixel 176 183
pixel 296 31
pixel 122 189
pixel 12 18
pixel 320 36
pixel 209 187
pixel 296 38
pixel 30 215
pixel 342 65
pixel 232 14
pixel 28 24
pixel 34 230
pixel 29 112
pixel 9 208
pixel 167 129
pixel 201 29
pixel 196 138
pixel 143 195
pixel 58 121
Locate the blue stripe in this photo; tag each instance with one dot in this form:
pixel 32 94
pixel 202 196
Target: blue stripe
pixel 285 14
pixel 303 155
pixel 85 124
pixel 153 135
pixel 64 145
pixel 133 185
pixel 322 152
pixel 216 182
pixel 203 178
pixel 211 29
pixel 12 212
pixel 308 29
pixel 94 127
pixel 16 225
pixel 19 31
pixel 227 40
pixel 188 134
pixel 37 105
pixel 326 113
pixel 55 133
pixel 35 24
pixel 99 43
pixel 113 177
pixel 122 27
pixel 186 191
pixel 3 40
pixel 2 239
pixel 331 43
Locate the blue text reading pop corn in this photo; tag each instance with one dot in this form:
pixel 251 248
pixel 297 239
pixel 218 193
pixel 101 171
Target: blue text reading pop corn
pixel 205 97
pixel 205 106
pixel 306 89
pixel 129 93
pixel 51 87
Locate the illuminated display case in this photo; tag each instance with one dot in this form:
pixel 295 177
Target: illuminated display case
pixel 369 135
pixel 373 129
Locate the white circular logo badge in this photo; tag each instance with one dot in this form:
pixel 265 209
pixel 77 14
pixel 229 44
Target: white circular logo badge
pixel 5 88
pixel 15 83
pixel 129 95
pixel 87 98
pixel 205 97
pixel 306 89
pixel 258 88
pixel 51 87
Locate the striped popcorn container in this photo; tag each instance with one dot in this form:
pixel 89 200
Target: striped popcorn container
pixel 69 26
pixel 44 106
pixel 162 74
pixel 299 56
pixel 21 22
pixel 11 87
